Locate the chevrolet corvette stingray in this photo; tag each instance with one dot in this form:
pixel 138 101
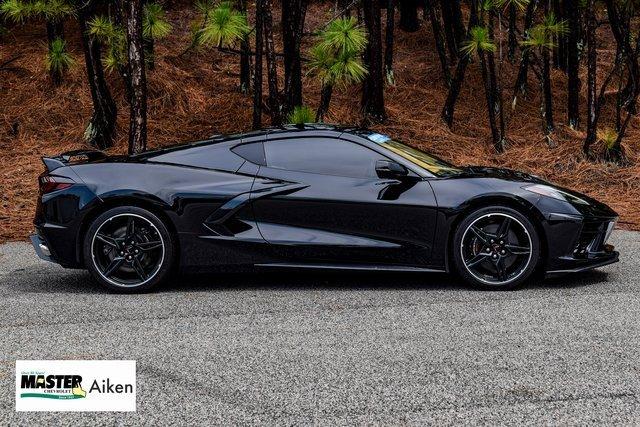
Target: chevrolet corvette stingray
pixel 312 196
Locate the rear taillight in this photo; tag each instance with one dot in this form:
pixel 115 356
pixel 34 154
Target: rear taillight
pixel 50 183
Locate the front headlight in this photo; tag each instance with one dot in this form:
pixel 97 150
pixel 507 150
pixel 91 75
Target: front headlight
pixel 548 191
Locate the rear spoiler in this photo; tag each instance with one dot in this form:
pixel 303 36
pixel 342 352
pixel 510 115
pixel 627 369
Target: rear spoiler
pixel 52 163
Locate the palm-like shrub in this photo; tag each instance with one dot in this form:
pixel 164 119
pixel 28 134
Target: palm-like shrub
pixel 154 27
pixel 219 25
pixel 112 36
pixel 336 58
pixel 17 11
pixel 53 12
pixel 542 38
pixel 608 137
pixel 58 60
pixel 481 44
pixel 301 115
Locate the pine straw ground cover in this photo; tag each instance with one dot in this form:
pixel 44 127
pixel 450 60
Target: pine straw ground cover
pixel 195 95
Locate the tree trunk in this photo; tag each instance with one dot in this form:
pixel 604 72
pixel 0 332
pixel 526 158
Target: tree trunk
pixel 559 52
pixel 523 71
pixel 272 65
pixel 373 85
pixel 135 53
pixel 458 22
pixel 388 51
pixel 496 91
pixel 547 95
pixel 495 135
pixel 257 75
pixel 245 56
pixel 432 8
pixel 101 128
pixel 622 33
pixel 325 100
pixel 513 41
pixel 592 117
pixel 149 52
pixel 123 69
pixel 458 78
pixel 55 30
pixel 345 7
pixel 450 36
pixel 408 15
pixel 573 64
pixel 293 17
pixel 436 26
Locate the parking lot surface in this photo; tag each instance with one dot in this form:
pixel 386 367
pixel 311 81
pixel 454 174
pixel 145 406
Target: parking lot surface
pixel 336 348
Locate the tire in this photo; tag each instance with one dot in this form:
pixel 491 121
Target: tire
pixel 128 250
pixel 496 248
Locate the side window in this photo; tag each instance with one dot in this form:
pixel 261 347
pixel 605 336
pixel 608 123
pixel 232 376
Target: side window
pixel 206 156
pixel 326 156
pixel 253 151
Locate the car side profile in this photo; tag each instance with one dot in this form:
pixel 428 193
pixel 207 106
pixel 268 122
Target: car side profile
pixel 312 196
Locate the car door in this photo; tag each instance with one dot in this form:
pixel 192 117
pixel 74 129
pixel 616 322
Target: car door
pixel 320 200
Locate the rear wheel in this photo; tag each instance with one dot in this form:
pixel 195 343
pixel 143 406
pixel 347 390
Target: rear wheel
pixel 128 249
pixel 496 248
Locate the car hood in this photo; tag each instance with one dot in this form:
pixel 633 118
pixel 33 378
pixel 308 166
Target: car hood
pixel 501 173
pixel 594 208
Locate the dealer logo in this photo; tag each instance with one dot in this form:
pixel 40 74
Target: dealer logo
pixel 75 385
pixel 52 386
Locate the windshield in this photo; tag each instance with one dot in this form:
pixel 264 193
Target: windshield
pixel 419 158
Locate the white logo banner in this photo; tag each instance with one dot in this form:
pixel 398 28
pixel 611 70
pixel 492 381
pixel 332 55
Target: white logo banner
pixel 75 385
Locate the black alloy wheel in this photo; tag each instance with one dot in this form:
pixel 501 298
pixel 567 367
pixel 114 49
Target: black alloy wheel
pixel 496 247
pixel 128 249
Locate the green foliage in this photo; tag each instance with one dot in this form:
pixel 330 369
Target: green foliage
pixel 54 10
pixel 58 60
pixel 113 37
pixel 488 5
pixel 542 36
pixel 104 29
pixel 479 40
pixel 553 26
pixel 220 25
pixel 344 35
pixel 301 115
pixel 608 136
pixel 336 58
pixel 519 4
pixel 205 7
pixel 154 23
pixel 19 11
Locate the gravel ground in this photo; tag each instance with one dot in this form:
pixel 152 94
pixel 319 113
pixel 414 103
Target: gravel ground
pixel 302 348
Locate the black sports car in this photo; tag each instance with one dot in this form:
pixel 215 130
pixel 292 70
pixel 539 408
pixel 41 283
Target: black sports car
pixel 309 196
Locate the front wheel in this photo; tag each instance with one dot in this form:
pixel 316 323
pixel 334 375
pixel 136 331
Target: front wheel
pixel 128 249
pixel 496 248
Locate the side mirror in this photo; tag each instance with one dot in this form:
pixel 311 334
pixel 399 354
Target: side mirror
pixel 390 169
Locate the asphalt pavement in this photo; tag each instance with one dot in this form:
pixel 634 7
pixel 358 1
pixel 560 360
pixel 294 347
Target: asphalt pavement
pixel 337 348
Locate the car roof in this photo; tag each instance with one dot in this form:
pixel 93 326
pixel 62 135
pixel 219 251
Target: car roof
pixel 280 131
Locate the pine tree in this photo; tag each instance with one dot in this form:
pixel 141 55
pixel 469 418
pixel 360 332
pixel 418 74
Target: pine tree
pixel 335 59
pixel 373 85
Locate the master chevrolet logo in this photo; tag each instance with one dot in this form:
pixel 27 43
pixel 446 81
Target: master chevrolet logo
pixel 75 385
pixel 52 386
